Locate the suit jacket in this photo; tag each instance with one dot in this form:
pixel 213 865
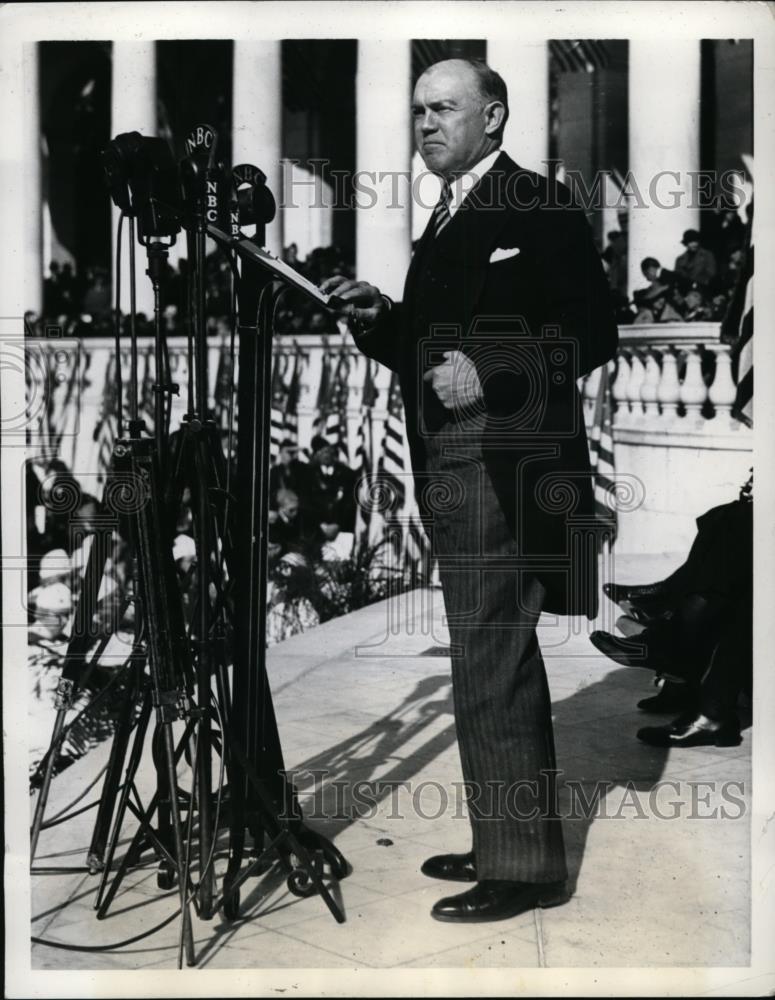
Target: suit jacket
pixel 533 322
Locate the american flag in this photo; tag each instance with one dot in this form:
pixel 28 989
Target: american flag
pixel 147 394
pixel 324 389
pixel 601 455
pixel 291 413
pixel 277 408
pixel 402 522
pixel 737 330
pixel 367 519
pixel 335 427
pixel 107 423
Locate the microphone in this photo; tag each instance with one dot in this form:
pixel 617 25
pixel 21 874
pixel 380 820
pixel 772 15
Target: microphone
pixel 202 176
pixel 143 183
pixel 254 201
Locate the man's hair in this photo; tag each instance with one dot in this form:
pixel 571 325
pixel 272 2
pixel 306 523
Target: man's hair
pixel 649 262
pixel 491 86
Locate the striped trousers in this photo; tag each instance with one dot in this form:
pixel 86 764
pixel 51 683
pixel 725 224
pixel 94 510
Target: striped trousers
pixel 501 696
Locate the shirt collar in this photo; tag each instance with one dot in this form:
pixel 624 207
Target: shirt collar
pixel 461 187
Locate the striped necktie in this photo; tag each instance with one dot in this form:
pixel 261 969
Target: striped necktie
pixel 441 213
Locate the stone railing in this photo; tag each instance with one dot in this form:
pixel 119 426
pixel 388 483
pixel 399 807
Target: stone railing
pixel 673 430
pixel 675 380
pixel 672 427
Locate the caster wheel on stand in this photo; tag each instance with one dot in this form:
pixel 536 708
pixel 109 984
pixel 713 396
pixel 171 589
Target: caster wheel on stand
pixel 300 885
pixel 165 878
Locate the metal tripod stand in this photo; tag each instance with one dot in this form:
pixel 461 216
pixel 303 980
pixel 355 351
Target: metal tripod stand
pixel 188 682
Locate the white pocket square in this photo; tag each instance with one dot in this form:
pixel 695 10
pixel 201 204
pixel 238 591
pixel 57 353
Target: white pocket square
pixel 503 254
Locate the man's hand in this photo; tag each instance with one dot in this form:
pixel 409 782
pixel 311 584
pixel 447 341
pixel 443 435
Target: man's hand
pixel 356 299
pixel 455 381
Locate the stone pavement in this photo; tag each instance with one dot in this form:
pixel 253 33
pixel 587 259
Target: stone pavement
pixel 365 713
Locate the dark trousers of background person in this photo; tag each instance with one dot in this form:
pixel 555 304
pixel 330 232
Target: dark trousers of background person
pixel 501 696
pixel 710 634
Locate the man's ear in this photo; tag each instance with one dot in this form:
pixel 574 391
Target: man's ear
pixel 494 112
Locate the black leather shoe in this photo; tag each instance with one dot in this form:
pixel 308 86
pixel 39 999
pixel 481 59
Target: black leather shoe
pixel 699 731
pixel 672 698
pixel 628 652
pixel 492 899
pixel 624 592
pixel 646 603
pixel 452 867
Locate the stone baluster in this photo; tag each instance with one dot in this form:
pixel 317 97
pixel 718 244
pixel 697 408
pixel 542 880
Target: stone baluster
pixel 694 392
pixel 619 389
pixel 669 390
pixel 649 389
pixel 723 391
pixel 637 377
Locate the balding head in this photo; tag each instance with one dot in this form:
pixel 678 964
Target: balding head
pixel 459 109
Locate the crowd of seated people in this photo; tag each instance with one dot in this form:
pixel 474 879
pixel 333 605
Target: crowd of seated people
pixel 81 304
pixel 312 520
pixel 699 285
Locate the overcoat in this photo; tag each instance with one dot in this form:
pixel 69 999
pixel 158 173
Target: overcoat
pixel 514 280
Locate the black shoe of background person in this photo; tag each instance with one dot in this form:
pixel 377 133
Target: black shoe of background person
pixel 698 731
pixel 672 697
pixel 493 899
pixel 632 652
pixel 628 626
pixel 645 614
pixel 618 592
pixel 451 867
pixel 646 604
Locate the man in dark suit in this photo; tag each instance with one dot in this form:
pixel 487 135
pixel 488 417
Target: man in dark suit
pixel 505 305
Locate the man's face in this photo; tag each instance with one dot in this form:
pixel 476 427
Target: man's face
pixel 287 455
pixel 289 507
pixel 692 246
pixel 651 272
pixel 450 119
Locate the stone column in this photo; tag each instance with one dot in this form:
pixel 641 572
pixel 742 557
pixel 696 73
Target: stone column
pixel 21 277
pixel 257 118
pixel 664 114
pixel 133 109
pixel 524 66
pixel 383 164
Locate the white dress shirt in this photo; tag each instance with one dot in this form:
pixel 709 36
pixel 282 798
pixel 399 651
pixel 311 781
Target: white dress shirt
pixel 461 186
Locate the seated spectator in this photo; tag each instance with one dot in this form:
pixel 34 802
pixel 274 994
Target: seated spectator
pixel 696 308
pixel 696 265
pixel 725 232
pixel 291 256
pixel 290 473
pixel 96 301
pixel 718 307
pixel 625 313
pixel 697 631
pixel 615 258
pixel 655 306
pixel 655 275
pixel 332 487
pixel 292 594
pixel 289 530
pixel 52 291
pixel 731 274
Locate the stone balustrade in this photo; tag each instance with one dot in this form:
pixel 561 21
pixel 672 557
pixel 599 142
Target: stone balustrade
pixel 675 380
pixel 672 427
